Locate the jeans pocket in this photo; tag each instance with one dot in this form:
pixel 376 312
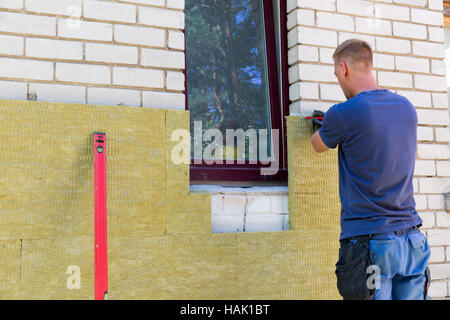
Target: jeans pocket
pixel 352 277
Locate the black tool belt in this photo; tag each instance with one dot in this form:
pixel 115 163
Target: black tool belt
pixel 352 269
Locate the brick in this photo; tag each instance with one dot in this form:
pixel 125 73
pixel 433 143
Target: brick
pixel 418 3
pixel 300 17
pixel 428 49
pixel 443 219
pixel 438 237
pixel 139 35
pixel 436 202
pixel 58 92
pixel 314 36
pixel 427 17
pixel 307 107
pixel 160 3
pixel 421 201
pixel 175 80
pixel 438 289
pixel 393 45
pixel 335 21
pixel 11 45
pixel 442 134
pixel 113 96
pixel 439 271
pixel 161 17
pixel 302 53
pixel 425 168
pixel 85 73
pixel 221 223
pixel 327 5
pixel 138 77
pixel 424 134
pixel 153 99
pixel 258 204
pixel 443 167
pixel 175 4
pixel 373 26
pixel 176 40
pixel 234 204
pixel 86 30
pixel 326 55
pixel 162 58
pixel 431 83
pixel 434 185
pixel 314 73
pixel 437 254
pixel 217 204
pixel 345 36
pixel 27 24
pixel 440 100
pixel 436 34
pixel 279 203
pixel 383 61
pixel 433 151
pixel 428 219
pixel 394 79
pixel 26 69
pixel 448 255
pixel 393 12
pixel 60 7
pixel 417 98
pixel 415 185
pixel 436 4
pixel 111 53
pixel 12 4
pixel 13 90
pixel 412 64
pixel 104 10
pixel 355 7
pixel 331 92
pixel 410 30
pixel 54 49
pixel 304 90
pixel 265 222
pixel 438 67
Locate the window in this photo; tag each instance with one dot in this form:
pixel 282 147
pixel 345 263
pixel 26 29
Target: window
pixel 236 89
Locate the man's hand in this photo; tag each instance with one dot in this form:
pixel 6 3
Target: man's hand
pixel 317 123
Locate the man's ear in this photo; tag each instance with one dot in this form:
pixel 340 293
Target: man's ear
pixel 344 68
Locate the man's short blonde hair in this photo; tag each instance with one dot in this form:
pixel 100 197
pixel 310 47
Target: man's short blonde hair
pixel 355 52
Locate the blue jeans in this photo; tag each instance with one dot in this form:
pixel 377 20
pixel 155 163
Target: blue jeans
pixel 402 257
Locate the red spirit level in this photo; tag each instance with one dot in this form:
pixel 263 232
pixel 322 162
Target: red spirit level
pixel 101 253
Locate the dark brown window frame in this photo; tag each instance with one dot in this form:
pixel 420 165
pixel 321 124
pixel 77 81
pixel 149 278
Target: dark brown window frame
pixel 279 110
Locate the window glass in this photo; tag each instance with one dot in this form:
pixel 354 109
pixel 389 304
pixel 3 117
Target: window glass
pixel 227 70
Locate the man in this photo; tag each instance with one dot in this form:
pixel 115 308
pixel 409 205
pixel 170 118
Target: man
pixel 383 254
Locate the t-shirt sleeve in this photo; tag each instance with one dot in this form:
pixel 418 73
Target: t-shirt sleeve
pixel 333 128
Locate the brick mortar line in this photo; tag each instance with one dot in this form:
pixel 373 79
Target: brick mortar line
pixel 375 50
pixel 90 85
pixel 404 5
pixel 91 62
pixel 110 22
pixel 113 42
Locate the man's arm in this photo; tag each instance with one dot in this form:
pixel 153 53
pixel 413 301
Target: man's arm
pixel 317 143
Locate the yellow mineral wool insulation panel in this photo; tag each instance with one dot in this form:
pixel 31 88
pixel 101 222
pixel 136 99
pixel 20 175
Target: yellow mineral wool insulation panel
pixel 160 241
pixel 10 269
pixel 46 165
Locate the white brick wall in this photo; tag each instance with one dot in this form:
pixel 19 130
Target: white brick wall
pixel 130 52
pixel 407 38
pixel 102 52
pixel 247 210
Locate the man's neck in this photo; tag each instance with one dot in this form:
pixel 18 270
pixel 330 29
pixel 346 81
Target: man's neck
pixel 367 83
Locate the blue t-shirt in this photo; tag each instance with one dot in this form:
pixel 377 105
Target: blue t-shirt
pixel 377 136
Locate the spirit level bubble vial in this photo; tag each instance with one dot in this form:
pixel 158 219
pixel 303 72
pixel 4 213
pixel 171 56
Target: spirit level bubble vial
pixel 101 253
